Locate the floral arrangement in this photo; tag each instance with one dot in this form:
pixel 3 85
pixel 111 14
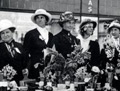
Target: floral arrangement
pixel 109 46
pixel 82 73
pixel 77 60
pixel 55 65
pixel 111 70
pixel 8 72
pixel 75 66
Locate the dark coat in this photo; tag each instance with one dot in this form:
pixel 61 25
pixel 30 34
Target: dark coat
pixel 17 61
pixel 64 42
pixel 34 46
pixel 104 59
pixel 114 61
pixel 94 49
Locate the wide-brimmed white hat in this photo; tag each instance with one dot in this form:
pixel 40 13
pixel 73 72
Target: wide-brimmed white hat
pixel 113 24
pixel 6 24
pixel 41 12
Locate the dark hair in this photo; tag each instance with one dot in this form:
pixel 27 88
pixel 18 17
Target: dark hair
pixel 12 29
pixel 81 31
pixel 109 30
pixel 61 24
pixel 42 15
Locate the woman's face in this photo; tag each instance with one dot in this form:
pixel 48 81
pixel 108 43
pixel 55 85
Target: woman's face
pixel 70 25
pixel 6 35
pixel 88 28
pixel 115 32
pixel 40 20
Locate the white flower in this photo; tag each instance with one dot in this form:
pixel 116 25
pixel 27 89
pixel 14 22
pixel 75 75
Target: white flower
pixel 82 73
pixel 87 79
pixel 108 41
pixel 40 37
pixel 95 69
pixel 107 86
pixel 116 78
pixel 17 50
pixel 8 72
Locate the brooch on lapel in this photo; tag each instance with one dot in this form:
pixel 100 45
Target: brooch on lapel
pixel 17 50
pixel 40 37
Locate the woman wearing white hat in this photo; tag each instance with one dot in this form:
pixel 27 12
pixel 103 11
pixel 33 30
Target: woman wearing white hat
pixel 11 52
pixel 36 40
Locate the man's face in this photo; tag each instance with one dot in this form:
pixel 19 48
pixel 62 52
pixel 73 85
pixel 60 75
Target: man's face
pixel 115 32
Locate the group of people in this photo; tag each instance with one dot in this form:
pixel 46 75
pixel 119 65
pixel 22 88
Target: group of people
pixel 29 57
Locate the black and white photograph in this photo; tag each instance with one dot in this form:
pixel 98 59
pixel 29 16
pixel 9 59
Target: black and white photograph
pixel 59 45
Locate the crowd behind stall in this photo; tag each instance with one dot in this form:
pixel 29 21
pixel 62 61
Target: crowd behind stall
pixel 62 56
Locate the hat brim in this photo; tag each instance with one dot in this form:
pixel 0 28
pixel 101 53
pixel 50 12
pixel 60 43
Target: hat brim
pixel 75 20
pixel 109 29
pixel 87 22
pixel 12 28
pixel 61 22
pixel 46 14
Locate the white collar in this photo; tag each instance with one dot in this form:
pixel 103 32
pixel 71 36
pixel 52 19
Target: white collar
pixel 85 42
pixel 44 33
pixel 88 39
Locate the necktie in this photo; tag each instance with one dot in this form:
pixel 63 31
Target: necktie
pixel 10 48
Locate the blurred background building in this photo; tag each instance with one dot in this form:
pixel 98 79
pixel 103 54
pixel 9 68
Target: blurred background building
pixel 20 11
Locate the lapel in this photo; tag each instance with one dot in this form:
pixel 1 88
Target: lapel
pixel 49 38
pixel 6 52
pixel 39 36
pixel 91 44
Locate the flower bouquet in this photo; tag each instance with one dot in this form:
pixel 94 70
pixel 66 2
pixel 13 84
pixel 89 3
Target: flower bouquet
pixel 109 46
pixel 8 72
pixel 56 65
pixel 82 74
pixel 77 59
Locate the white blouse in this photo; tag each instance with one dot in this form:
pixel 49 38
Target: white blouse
pixel 44 33
pixel 85 42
